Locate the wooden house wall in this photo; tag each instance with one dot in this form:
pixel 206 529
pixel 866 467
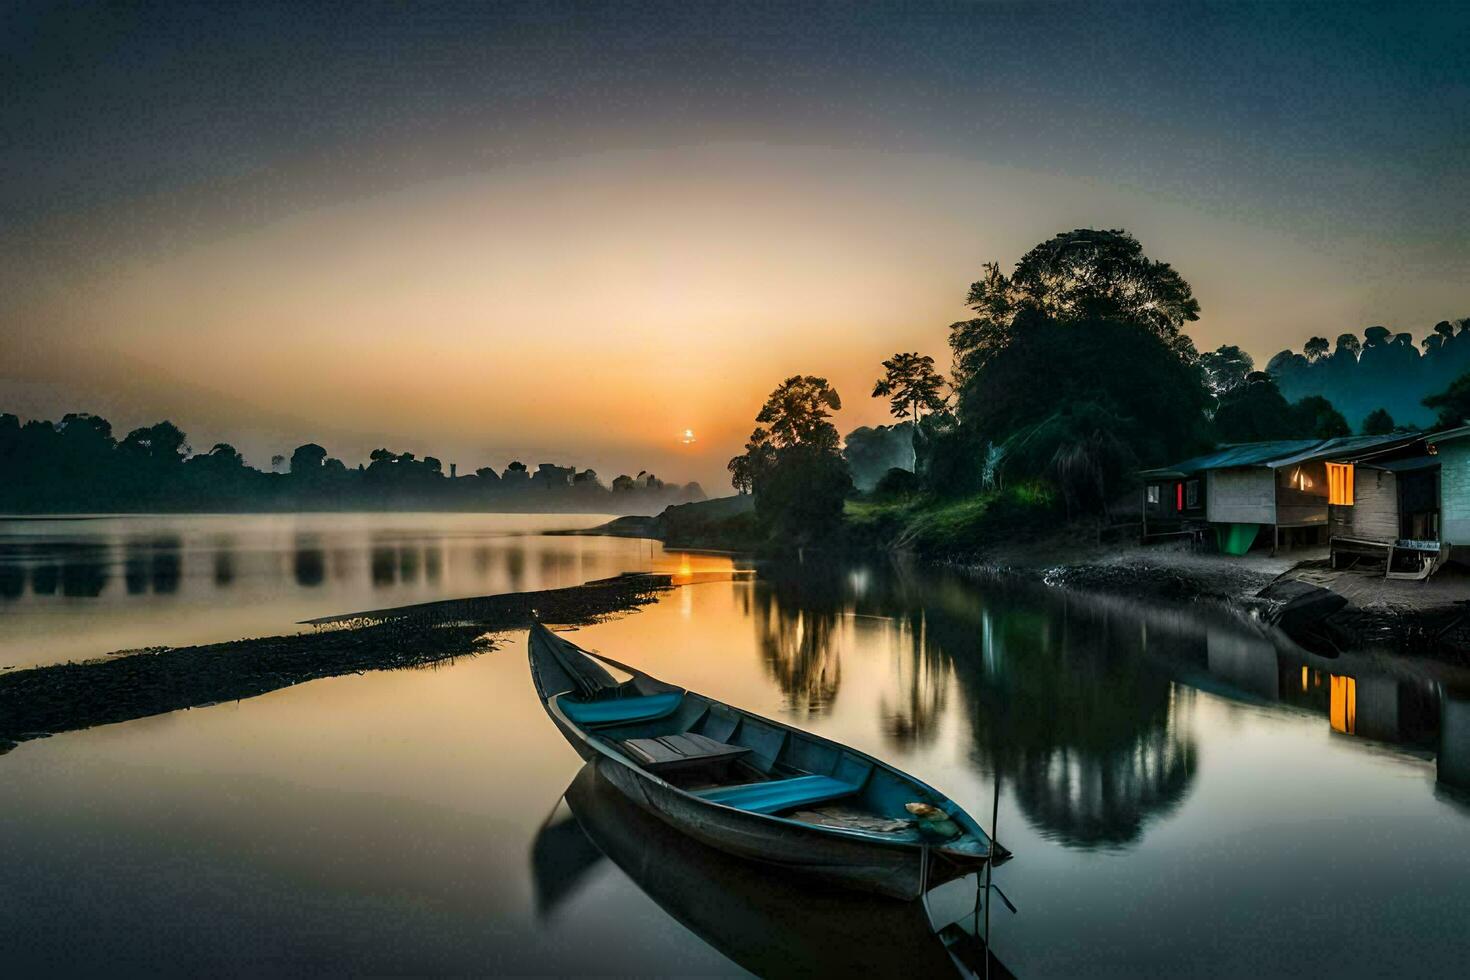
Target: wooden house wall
pixel 1453 759
pixel 1241 496
pixel 1374 515
pixel 1454 493
pixel 1295 505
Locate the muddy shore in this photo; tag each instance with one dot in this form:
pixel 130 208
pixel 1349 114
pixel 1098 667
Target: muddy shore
pixel 1366 611
pixel 41 701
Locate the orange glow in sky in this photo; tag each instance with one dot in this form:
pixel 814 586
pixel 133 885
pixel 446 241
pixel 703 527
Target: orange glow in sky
pixel 578 311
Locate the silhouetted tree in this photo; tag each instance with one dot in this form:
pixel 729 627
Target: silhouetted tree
pixel 759 453
pixel 1258 411
pixel 794 469
pixel 796 413
pixel 1225 369
pixel 1082 275
pixel 1452 404
pixel 1378 423
pixel 1253 412
pixel 307 459
pixel 160 441
pixel 1314 417
pixel 1385 370
pixel 1155 394
pixel 1316 348
pixel 913 388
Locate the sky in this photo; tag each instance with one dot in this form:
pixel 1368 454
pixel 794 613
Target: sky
pixel 570 232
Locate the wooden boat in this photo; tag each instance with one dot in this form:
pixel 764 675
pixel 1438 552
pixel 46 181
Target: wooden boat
pixel 753 787
pixel 771 925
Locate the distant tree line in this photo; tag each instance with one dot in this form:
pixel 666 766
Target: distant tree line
pixel 1383 371
pixel 77 465
pixel 1074 372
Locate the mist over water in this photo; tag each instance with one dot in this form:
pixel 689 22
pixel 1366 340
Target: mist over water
pixel 1176 790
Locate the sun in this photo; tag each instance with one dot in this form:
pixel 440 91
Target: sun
pixel 688 437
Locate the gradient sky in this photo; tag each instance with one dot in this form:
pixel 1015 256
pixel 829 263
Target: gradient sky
pixel 570 232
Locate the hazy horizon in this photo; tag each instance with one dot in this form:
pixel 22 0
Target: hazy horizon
pixel 479 235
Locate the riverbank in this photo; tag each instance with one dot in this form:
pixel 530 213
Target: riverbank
pixel 1018 533
pixel 42 701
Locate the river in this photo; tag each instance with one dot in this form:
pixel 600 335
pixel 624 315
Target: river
pixel 1180 795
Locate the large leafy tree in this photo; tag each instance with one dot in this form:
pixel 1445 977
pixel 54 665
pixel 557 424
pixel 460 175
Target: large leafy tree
pixel 1257 411
pixel 1075 366
pixel 1452 404
pixel 792 463
pixel 798 411
pixel 1090 369
pixel 160 441
pixel 913 389
pixel 759 454
pixel 1378 423
pixel 1225 369
pixel 1082 275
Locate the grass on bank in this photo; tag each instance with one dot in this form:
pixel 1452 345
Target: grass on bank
pixel 940 526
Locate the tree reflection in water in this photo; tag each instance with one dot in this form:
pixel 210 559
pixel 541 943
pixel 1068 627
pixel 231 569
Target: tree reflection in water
pixel 922 680
pixel 795 611
pixel 1063 697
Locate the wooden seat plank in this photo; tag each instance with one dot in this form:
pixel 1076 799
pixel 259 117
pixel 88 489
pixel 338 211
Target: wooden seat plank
pixel 685 750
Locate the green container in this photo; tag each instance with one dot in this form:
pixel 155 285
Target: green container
pixel 1235 539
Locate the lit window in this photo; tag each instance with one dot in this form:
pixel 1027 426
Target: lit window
pixel 1340 484
pixel 1153 493
pixel 1343 704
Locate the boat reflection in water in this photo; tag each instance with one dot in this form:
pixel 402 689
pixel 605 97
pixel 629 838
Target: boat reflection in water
pixel 766 921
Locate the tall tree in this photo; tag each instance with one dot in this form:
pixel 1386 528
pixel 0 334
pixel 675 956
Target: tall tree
pixel 1225 369
pixel 1082 275
pixel 1378 423
pixel 744 468
pixel 797 413
pixel 792 465
pixel 912 388
pixel 1316 348
pixel 1452 404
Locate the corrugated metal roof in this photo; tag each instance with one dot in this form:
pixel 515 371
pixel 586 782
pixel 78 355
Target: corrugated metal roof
pixel 1449 435
pixel 1406 465
pixel 1241 454
pixel 1277 453
pixel 1346 447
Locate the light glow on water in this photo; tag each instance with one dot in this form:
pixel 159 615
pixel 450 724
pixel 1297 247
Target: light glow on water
pixel 1158 767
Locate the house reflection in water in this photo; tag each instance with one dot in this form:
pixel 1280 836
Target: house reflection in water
pixel 1402 711
pixel 1453 758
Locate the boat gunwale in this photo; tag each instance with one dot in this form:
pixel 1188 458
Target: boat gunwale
pixel 993 852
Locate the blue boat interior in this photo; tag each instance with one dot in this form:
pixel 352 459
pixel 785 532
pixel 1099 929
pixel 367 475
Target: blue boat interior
pixel 782 773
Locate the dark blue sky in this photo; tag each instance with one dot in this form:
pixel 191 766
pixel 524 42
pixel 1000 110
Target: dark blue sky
pixel 201 204
pixel 1347 118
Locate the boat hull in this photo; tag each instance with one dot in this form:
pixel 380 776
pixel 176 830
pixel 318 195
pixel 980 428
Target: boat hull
pixel 900 870
pixel 891 871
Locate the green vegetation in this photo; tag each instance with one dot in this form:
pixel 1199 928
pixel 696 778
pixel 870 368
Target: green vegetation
pixel 950 527
pixel 1072 374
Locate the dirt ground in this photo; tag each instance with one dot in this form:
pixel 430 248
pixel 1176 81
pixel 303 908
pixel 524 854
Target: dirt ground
pixel 1428 618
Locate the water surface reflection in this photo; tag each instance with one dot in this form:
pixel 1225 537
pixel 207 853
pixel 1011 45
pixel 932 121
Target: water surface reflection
pixel 1181 794
pixel 771 925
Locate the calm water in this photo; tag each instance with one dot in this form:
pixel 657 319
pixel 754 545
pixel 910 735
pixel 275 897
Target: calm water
pixel 1179 794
